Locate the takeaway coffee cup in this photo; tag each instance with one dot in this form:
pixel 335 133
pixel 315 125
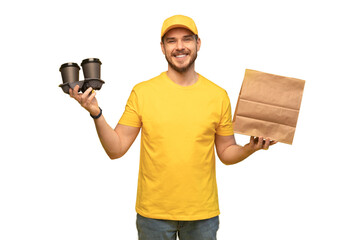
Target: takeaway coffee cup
pixel 91 68
pixel 69 72
pixel 70 76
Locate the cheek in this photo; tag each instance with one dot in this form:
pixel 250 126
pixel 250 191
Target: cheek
pixel 192 48
pixel 167 51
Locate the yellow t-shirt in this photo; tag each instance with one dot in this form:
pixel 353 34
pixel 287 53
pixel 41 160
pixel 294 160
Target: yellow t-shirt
pixel 177 178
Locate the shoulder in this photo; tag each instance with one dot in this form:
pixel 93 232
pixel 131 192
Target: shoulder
pixel 146 85
pixel 214 88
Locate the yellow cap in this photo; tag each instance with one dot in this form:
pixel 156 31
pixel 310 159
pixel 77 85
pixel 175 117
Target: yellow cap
pixel 178 21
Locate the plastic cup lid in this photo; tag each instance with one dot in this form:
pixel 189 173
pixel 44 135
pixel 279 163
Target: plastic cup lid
pixel 90 60
pixel 69 64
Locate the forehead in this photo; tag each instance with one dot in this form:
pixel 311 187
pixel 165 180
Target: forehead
pixel 178 33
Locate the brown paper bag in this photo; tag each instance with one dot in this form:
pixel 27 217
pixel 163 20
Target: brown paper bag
pixel 268 106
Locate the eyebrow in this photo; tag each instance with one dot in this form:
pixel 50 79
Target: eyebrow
pixel 172 38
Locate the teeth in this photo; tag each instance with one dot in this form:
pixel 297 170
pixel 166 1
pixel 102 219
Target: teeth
pixel 179 56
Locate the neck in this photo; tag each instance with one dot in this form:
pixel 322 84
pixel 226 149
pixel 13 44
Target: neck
pixel 183 78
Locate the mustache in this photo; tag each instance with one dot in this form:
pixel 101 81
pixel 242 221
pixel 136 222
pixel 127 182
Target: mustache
pixel 180 52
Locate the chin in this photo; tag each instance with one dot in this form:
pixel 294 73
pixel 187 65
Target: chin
pixel 183 67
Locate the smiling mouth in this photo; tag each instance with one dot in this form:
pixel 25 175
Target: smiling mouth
pixel 180 54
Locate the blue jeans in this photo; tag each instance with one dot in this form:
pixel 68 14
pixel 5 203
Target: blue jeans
pixel 155 229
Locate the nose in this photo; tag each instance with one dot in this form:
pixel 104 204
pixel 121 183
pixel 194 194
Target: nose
pixel 179 45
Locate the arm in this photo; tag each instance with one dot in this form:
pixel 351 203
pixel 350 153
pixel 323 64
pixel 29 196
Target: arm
pixel 115 142
pixel 230 153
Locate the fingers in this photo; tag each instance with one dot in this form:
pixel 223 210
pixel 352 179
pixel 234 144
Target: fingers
pixel 266 144
pixel 86 93
pixel 92 96
pixel 261 143
pixel 85 98
pixel 252 140
pixel 74 93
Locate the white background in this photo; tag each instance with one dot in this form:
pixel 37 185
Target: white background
pixel 56 182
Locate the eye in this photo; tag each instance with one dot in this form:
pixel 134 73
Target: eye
pixel 170 40
pixel 188 39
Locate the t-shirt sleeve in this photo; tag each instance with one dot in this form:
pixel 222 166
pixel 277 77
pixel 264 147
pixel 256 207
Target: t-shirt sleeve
pixel 131 116
pixel 225 126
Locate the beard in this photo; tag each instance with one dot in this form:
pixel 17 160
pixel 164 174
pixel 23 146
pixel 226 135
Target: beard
pixel 183 68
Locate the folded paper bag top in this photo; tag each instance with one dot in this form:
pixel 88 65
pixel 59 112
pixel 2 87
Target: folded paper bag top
pixel 268 106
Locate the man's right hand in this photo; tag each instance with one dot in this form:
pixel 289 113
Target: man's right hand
pixel 87 99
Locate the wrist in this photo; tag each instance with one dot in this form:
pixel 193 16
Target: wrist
pixel 96 114
pixel 248 149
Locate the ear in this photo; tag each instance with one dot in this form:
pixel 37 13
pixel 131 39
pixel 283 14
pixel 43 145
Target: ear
pixel 162 47
pixel 198 44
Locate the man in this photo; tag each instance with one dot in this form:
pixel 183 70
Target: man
pixel 182 115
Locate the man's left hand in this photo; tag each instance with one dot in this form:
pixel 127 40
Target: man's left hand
pixel 257 143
